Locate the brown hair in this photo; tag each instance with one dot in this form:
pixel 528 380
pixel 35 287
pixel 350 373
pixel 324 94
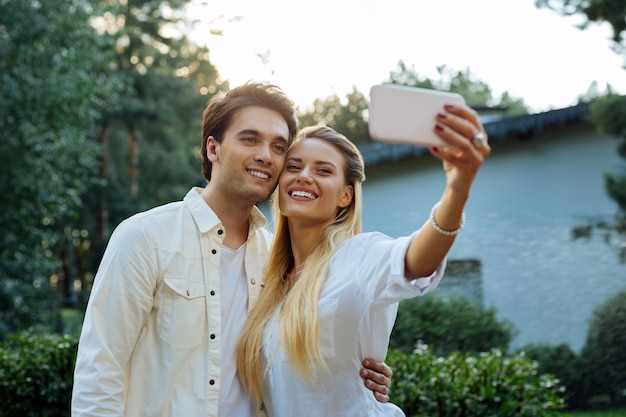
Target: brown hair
pixel 217 115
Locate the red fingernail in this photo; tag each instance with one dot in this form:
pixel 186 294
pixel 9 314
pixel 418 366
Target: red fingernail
pixel 448 106
pixel 439 126
pixel 435 149
pixel 442 115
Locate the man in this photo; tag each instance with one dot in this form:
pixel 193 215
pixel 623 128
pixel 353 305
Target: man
pixel 175 284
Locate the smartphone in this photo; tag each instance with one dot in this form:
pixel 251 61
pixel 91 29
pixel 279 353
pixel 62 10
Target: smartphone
pixel 407 115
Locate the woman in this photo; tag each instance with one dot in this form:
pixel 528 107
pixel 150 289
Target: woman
pixel 331 292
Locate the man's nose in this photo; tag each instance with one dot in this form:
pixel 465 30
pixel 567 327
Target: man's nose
pixel 264 154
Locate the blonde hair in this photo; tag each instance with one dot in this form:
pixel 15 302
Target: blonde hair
pixel 298 317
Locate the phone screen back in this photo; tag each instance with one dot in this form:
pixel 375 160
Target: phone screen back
pixel 401 114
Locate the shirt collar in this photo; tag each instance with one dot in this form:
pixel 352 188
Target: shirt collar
pixel 257 220
pixel 206 219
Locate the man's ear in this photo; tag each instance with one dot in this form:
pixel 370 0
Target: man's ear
pixel 212 149
pixel 346 198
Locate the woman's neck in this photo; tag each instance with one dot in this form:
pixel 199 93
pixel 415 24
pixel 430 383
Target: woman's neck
pixel 304 240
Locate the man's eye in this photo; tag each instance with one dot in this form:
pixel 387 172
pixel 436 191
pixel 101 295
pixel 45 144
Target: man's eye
pixel 280 148
pixel 249 139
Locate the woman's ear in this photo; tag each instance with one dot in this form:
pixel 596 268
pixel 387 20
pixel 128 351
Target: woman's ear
pixel 346 198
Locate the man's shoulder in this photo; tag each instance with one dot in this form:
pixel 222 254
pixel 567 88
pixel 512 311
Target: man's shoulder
pixel 157 213
pixel 157 216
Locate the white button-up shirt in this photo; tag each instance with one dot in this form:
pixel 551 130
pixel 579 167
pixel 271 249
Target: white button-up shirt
pixel 357 310
pixel 150 343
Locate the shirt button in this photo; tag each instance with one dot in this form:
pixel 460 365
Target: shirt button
pixel 213 251
pixel 212 336
pixel 212 382
pixel 212 292
pixel 253 281
pixel 220 232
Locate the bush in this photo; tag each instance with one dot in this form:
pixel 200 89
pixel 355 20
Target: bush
pixel 460 384
pixel 36 373
pixel 449 325
pixel 564 364
pixel 604 350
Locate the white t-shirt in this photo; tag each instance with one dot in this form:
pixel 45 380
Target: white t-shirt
pixel 357 308
pixel 234 401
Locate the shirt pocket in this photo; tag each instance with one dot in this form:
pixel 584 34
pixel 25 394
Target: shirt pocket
pixel 182 321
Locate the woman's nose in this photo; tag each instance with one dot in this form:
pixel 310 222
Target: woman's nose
pixel 304 175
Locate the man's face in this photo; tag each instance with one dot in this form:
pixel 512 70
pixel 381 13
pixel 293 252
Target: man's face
pixel 247 163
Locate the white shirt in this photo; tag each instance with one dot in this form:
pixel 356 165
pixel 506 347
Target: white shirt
pixel 357 310
pixel 234 401
pixel 152 335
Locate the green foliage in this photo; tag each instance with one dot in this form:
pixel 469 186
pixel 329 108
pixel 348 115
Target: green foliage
pixel 350 116
pixel 605 351
pixel 570 369
pixel 611 11
pixel 347 118
pixel 476 92
pixel 36 373
pixel 460 384
pixel 598 376
pixel 449 325
pixel 608 413
pixel 53 89
pixel 609 115
pixel 151 134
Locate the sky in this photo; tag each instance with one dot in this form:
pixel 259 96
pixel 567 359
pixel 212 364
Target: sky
pixel 314 49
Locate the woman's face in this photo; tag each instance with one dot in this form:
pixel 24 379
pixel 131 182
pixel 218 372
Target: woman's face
pixel 312 186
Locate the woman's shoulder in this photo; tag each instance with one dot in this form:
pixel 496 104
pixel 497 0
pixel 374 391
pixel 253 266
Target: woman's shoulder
pixel 370 237
pixel 364 240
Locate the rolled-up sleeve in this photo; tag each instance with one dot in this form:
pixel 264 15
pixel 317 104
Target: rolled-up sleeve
pixel 381 270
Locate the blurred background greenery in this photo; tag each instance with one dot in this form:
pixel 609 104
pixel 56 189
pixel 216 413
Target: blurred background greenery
pixel 100 117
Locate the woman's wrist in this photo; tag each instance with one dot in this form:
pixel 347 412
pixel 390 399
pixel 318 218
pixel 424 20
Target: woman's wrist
pixel 444 230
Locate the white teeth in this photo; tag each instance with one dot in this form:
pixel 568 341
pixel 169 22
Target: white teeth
pixel 259 174
pixel 304 194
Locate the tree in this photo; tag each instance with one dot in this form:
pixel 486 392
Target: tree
pixel 52 90
pixel 477 93
pixel 604 348
pixel 607 112
pixel 347 118
pixel 595 11
pixel 151 134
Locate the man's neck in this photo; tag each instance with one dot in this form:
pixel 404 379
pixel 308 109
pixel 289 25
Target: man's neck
pixel 232 212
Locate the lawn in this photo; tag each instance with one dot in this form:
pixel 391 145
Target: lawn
pixel 611 413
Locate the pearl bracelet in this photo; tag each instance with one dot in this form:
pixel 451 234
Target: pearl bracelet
pixel 438 228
